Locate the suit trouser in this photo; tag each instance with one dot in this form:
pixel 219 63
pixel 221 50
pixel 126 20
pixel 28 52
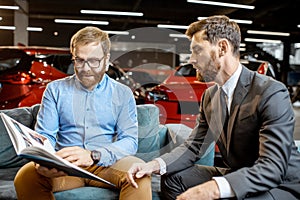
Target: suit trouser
pixel 31 185
pixel 174 184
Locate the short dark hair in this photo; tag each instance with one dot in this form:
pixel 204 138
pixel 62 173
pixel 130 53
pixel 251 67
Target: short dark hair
pixel 217 27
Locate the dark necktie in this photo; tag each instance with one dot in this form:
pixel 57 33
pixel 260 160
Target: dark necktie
pixel 224 108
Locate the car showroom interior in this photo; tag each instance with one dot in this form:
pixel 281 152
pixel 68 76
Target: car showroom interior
pixel 149 53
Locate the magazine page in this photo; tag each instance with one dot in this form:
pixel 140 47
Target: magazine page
pixel 17 140
pixel 23 137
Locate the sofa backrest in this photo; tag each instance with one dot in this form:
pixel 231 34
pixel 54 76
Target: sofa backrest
pixel 25 115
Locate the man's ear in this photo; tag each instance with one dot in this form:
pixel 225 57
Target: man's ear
pixel 223 47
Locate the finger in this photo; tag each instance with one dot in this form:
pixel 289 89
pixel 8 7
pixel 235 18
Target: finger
pixel 131 180
pixel 83 163
pixel 67 151
pixel 143 172
pixel 140 174
pixel 130 177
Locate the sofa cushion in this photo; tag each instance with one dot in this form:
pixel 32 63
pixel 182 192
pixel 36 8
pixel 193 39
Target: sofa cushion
pixel 149 139
pixel 177 134
pixel 7 190
pixel 90 193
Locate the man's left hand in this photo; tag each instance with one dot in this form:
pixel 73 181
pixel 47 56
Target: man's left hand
pixel 205 191
pixel 76 155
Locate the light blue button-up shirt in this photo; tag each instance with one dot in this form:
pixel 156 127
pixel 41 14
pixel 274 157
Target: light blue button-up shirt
pixel 103 119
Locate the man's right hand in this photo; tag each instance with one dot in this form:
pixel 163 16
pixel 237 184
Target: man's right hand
pixel 50 173
pixel 138 170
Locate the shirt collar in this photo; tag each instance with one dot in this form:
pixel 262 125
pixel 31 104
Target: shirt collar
pixel 231 83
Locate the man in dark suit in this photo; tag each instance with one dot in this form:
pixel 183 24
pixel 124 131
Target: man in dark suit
pixel 255 139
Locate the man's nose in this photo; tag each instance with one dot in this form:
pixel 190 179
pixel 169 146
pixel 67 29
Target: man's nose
pixel 86 65
pixel 192 61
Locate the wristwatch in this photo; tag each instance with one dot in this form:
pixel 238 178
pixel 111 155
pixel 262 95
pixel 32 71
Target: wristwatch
pixel 95 155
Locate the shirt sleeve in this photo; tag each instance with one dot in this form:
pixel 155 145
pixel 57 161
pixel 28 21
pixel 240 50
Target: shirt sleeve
pixel 224 187
pixel 47 118
pixel 162 166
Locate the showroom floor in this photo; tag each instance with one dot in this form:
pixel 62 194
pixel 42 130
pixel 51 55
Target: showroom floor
pixel 297 126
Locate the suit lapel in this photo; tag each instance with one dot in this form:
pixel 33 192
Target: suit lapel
pixel 240 92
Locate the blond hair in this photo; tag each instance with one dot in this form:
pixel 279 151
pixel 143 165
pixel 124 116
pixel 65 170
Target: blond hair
pixel 89 35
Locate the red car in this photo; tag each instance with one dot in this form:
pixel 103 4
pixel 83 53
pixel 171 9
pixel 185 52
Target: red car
pixel 25 72
pixel 179 96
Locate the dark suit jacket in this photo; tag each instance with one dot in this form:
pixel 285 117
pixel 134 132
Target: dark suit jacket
pixel 259 148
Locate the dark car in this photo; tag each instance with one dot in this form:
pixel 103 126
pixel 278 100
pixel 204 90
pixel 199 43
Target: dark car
pixel 25 72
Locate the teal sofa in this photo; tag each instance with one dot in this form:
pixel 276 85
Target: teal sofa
pixel 154 140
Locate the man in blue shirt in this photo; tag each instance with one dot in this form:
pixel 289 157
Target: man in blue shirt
pixel 91 120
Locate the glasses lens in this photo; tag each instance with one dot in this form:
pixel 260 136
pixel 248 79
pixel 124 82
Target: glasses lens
pixel 93 63
pixel 78 62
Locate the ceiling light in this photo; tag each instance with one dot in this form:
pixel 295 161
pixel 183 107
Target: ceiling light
pixel 102 12
pixel 268 33
pixel 262 40
pixel 298 25
pixel 172 26
pixel 239 21
pixel 38 29
pixel 178 35
pixel 9 7
pixel 117 32
pixel 74 21
pixel 222 4
pixel 11 28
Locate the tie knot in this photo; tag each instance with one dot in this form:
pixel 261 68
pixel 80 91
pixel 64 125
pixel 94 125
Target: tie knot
pixel 223 94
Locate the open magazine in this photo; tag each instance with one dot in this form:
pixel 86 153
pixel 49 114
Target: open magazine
pixel 33 146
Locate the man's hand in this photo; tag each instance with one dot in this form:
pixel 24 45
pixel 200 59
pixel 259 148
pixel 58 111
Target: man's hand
pixel 205 191
pixel 76 155
pixel 138 170
pixel 50 173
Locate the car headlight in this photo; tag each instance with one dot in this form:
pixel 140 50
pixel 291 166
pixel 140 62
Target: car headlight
pixel 156 96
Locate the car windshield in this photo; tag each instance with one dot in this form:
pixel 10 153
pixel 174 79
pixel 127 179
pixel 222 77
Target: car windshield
pixel 252 65
pixel 186 71
pixel 61 62
pixel 8 63
pixel 11 59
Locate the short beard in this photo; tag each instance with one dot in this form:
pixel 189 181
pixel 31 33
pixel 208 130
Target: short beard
pixel 212 69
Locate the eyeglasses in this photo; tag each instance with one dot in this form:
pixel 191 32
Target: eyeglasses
pixel 92 62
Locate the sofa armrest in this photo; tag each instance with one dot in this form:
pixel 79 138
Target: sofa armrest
pixel 148 132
